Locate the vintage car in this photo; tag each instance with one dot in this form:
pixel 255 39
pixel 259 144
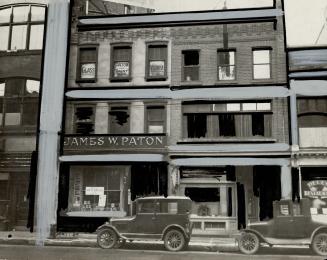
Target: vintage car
pixel 157 218
pixel 293 224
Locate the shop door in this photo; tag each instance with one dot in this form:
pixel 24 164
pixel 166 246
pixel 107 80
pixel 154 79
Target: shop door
pixel 20 203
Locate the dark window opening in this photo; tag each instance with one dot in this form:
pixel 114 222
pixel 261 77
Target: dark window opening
pixel 119 120
pixel 191 65
pixel 196 125
pixel 84 122
pixel 258 125
pixel 227 125
pixel 203 194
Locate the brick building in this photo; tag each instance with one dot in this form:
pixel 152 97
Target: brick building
pixel 21 43
pixel 191 104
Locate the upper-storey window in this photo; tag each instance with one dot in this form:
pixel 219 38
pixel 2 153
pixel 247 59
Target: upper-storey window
pixel 19 102
pixel 155 119
pixel 119 119
pixel 156 62
pixel 261 63
pixel 121 60
pixel 87 65
pixel 191 65
pixel 226 64
pixel 21 27
pixel 84 119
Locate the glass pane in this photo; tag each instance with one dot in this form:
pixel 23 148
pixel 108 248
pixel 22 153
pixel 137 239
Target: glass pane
pixel 121 69
pixel 264 106
pixel 14 87
pixel 2 89
pixel 261 71
pixel 32 87
pixel 5 15
pixel 21 13
pixel 226 58
pixel 38 13
pixel 249 106
pixel 191 58
pixel 234 107
pixel 261 56
pixel 122 54
pixel 88 71
pixel 226 73
pixel 1 111
pixel 18 38
pixel 30 112
pixel 157 52
pixel 4 32
pixel 12 110
pixel 36 37
pixel 87 55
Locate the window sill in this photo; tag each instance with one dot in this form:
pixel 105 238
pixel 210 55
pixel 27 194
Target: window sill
pixel 227 140
pixel 156 79
pixel 120 79
pixel 86 80
pixel 226 82
pixel 191 83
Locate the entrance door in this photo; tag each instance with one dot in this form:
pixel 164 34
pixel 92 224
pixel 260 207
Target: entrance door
pixel 19 203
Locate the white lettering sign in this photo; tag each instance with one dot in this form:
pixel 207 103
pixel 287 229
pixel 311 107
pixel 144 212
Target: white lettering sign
pixel 102 200
pixel 121 69
pixel 94 190
pixel 157 68
pixel 88 71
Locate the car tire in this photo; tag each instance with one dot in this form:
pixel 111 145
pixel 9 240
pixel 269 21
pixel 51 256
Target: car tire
pixel 319 244
pixel 107 238
pixel 174 240
pixel 249 243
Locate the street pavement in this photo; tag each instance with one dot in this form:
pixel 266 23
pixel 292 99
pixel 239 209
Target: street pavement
pixel 136 252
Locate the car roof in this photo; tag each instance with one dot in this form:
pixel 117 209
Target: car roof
pixel 164 198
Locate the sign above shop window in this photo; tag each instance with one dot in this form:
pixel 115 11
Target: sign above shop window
pixel 121 69
pixel 88 71
pixel 114 142
pixel 157 69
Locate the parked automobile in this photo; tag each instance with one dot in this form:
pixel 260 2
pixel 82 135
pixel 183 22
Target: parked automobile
pixel 293 224
pixel 157 218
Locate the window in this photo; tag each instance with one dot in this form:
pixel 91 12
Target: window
pixel 312 112
pixel 157 62
pixel 87 70
pixel 84 120
pixel 121 59
pixel 261 64
pixel 226 65
pixel 227 120
pixel 168 207
pixel 155 116
pixel 19 102
pixel 119 120
pixel 21 27
pixel 191 65
pixel 146 207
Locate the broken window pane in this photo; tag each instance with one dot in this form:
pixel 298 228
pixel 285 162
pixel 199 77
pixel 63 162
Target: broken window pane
pixel 226 125
pixel 84 120
pixel 258 124
pixel 196 125
pixel 119 120
pixel 191 65
pixel 32 87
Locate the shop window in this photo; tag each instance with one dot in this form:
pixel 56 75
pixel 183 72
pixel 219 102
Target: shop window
pixel 119 120
pixel 84 120
pixel 155 119
pixel 191 65
pixel 227 125
pixel 19 102
pixel 157 62
pixel 261 63
pixel 87 68
pixel 22 27
pixel 121 60
pixel 226 65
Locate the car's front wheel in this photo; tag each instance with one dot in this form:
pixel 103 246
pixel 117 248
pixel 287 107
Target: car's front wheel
pixel 107 238
pixel 249 243
pixel 319 244
pixel 174 240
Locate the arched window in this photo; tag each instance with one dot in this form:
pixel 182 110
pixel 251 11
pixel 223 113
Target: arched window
pixel 21 27
pixel 312 112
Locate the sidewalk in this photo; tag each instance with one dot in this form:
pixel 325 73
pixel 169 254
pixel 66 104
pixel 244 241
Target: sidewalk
pixel 218 244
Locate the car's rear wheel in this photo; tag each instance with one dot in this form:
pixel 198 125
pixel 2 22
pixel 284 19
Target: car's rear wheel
pixel 107 238
pixel 319 244
pixel 249 243
pixel 174 240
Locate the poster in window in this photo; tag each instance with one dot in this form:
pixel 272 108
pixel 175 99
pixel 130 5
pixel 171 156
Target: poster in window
pixel 121 69
pixel 316 191
pixel 88 71
pixel 157 69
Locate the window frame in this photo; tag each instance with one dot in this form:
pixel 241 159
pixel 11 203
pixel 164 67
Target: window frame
pixel 78 69
pixel 29 23
pixel 146 121
pixel 147 63
pixel 266 48
pixel 226 65
pixel 75 117
pixel 114 46
pixel 122 104
pixel 190 66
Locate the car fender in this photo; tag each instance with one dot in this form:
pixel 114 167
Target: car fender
pixel 317 230
pixel 108 226
pixel 261 237
pixel 179 227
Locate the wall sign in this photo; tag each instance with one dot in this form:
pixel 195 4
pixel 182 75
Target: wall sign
pixel 94 190
pixel 88 71
pixel 317 192
pixel 157 68
pixel 121 69
pixel 91 143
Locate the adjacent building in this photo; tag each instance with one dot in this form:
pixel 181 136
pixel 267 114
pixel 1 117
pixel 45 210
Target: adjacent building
pixel 21 43
pixel 191 104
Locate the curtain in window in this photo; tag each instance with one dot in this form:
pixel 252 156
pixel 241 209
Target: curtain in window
pixel 268 125
pixel 243 125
